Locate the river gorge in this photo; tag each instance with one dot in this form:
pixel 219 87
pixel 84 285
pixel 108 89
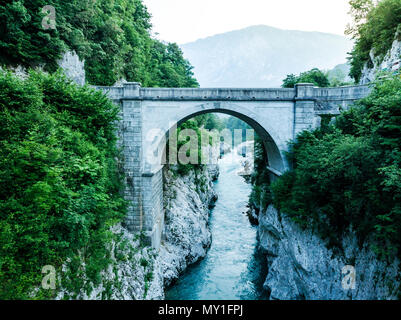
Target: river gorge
pixel 234 267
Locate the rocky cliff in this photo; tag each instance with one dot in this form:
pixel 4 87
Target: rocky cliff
pixel 391 62
pixel 70 64
pixel 302 267
pixel 186 236
pixel 137 272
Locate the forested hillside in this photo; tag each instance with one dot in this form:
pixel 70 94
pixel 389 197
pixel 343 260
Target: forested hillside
pixel 375 27
pixel 112 36
pixel 60 184
pixel 347 174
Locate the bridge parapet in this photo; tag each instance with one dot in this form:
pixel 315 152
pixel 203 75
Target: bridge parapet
pixel 133 91
pixel 114 93
pixel 342 93
pixel 217 94
pixel 330 101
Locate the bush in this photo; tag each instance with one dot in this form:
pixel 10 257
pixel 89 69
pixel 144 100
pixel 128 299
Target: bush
pixel 315 76
pixel 114 38
pixel 348 174
pixel 377 33
pixel 59 184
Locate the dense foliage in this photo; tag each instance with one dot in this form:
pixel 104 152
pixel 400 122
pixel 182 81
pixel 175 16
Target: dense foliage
pixel 339 75
pixel 315 76
pixel 260 196
pixel 210 121
pixel 349 173
pixel 112 36
pixel 59 183
pixel 375 24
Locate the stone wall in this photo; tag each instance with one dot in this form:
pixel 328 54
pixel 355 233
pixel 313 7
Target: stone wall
pixel 131 142
pixel 153 210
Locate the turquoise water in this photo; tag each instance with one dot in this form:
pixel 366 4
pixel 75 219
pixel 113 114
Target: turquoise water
pixel 234 269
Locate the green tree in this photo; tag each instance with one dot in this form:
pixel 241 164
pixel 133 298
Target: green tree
pixel 315 76
pixel 359 10
pixel 348 174
pixel 59 183
pixel 112 36
pixel 375 27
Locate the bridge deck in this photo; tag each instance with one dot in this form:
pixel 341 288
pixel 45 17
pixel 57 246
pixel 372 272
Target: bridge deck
pixel 236 94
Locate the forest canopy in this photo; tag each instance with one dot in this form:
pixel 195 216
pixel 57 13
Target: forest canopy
pixel 347 174
pixel 113 36
pixel 376 25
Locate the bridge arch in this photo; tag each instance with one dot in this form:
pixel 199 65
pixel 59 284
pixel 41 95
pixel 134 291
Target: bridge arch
pixel 267 134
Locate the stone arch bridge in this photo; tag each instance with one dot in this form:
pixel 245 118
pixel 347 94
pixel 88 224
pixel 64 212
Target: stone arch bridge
pixel 277 115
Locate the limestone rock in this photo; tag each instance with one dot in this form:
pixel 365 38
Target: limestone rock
pixel 187 236
pixel 73 67
pixel 302 267
pixel 391 62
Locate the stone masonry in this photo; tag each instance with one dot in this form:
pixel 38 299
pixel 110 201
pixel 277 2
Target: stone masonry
pixel 148 115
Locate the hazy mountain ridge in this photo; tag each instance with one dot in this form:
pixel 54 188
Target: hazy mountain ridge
pixel 262 56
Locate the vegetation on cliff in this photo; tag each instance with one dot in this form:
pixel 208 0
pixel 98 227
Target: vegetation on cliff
pixel 59 179
pixel 375 25
pixel 59 183
pixel 112 36
pixel 348 173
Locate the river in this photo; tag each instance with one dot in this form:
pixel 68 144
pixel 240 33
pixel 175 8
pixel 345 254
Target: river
pixel 234 268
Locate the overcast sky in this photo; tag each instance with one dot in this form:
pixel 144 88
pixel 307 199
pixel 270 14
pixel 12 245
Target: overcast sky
pixel 184 21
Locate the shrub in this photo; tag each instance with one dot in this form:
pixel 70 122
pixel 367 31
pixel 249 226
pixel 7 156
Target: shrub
pixel 348 174
pixel 59 184
pixel 380 24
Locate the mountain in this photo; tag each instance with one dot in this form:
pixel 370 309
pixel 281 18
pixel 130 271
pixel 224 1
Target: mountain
pixel 340 74
pixel 262 56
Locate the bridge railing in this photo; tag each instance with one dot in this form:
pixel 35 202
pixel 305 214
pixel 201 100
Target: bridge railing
pixel 217 94
pixel 342 93
pixel 135 92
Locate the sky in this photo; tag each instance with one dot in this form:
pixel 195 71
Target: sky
pixel 185 21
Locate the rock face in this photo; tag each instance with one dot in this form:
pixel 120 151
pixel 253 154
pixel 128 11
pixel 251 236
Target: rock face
pixel 391 62
pixel 301 266
pixel 137 272
pixel 186 236
pixel 73 67
pixel 134 273
pixel 70 63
